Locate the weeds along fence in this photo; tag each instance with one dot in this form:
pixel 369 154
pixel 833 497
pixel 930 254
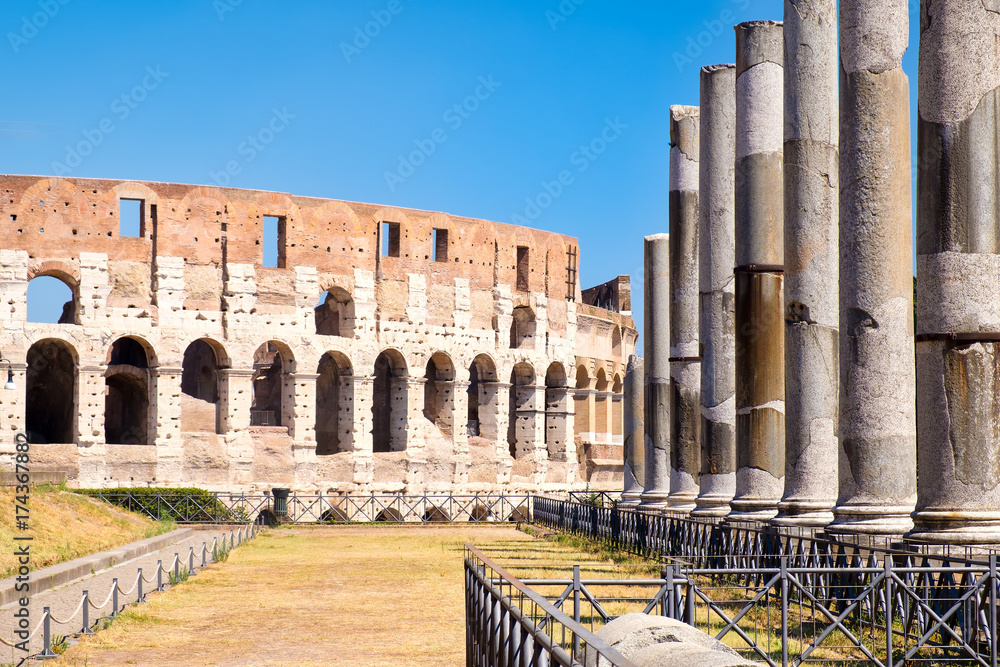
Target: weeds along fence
pixel 205 507
pixel 789 598
pixel 507 623
pixel 51 632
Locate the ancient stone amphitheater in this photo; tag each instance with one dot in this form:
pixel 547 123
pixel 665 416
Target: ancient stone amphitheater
pixel 381 349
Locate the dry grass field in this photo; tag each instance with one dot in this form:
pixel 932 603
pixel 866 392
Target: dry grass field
pixel 67 526
pixel 338 595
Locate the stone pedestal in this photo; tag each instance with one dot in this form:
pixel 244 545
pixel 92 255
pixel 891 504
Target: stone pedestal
pixel 716 228
pixel 877 447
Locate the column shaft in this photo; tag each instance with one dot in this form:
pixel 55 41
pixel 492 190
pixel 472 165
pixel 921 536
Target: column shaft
pixel 716 228
pixel 657 372
pixel 685 353
pixel 760 355
pixel 634 450
pixel 958 270
pixel 812 256
pixel 877 448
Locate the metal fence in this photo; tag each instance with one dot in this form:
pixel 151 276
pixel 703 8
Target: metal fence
pixel 81 621
pixel 507 624
pixel 789 598
pixel 215 508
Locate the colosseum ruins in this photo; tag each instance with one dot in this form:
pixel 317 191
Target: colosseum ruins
pixel 376 349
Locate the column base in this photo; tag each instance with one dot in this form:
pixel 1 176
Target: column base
pixel 804 513
pixel 681 503
pixel 755 510
pixel 871 520
pixel 711 507
pixel 955 527
pixel 653 501
pixel 630 500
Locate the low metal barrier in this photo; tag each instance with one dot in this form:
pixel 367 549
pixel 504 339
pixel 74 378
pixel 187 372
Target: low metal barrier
pixel 325 508
pixel 509 624
pixel 80 621
pixel 789 597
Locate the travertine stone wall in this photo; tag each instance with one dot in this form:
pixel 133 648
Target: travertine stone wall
pixel 196 273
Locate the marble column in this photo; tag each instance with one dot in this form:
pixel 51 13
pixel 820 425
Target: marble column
pixel 716 227
pixel 685 355
pixel 958 274
pixel 760 334
pixel 656 389
pixel 632 429
pixel 812 263
pixel 877 448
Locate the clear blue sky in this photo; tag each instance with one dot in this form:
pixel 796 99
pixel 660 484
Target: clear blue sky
pixel 182 85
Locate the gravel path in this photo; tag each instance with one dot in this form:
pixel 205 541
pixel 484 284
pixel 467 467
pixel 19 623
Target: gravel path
pixel 64 601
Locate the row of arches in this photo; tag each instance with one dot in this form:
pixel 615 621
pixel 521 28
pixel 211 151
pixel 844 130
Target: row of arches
pixel 52 378
pixel 598 413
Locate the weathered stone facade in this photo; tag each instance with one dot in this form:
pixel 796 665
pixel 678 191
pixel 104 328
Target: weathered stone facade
pixel 389 349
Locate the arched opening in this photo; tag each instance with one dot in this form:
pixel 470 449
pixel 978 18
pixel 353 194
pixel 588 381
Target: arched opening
pixel 522 328
pixel 269 368
pixel 601 407
pixel 439 398
pixel 389 403
pixel 555 411
pixel 51 300
pixel 331 394
pixel 126 400
pixel 334 315
pixel 482 420
pixel 200 389
pixel 50 393
pixel 582 422
pixel 521 414
pixel 617 406
pixel 616 343
pixel 436 515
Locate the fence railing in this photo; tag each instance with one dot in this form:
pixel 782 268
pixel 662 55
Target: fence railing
pixel 788 597
pixel 81 622
pixel 509 624
pixel 324 508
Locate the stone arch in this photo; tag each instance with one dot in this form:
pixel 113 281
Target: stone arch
pixel 44 289
pixel 272 361
pixel 520 425
pixel 556 411
pixel 334 407
pixel 128 382
pixel 389 402
pixel 617 407
pixel 601 421
pixel 439 392
pixel 334 316
pixel 583 404
pixel 203 386
pixel 482 419
pixel 50 406
pixel 522 328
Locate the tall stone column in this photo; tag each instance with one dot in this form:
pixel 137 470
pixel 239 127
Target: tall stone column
pixel 632 430
pixel 716 228
pixel 760 334
pixel 958 273
pixel 685 355
pixel 656 342
pixel 165 409
pixel 363 458
pixel 877 448
pixel 812 263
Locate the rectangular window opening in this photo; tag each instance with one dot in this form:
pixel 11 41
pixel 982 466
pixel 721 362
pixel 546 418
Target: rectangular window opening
pixel 274 242
pixel 440 245
pixel 390 239
pixel 522 268
pixel 131 217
